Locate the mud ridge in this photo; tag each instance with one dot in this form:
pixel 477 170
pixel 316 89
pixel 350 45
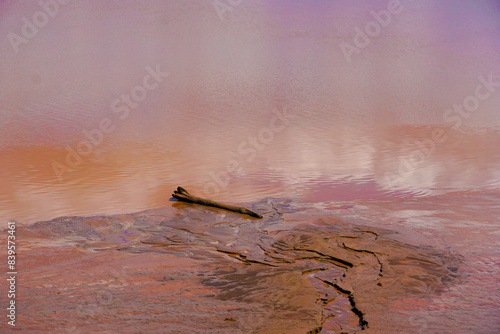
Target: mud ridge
pixel 335 260
pixel 295 268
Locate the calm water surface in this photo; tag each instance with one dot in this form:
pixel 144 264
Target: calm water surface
pixel 262 103
pixel 108 107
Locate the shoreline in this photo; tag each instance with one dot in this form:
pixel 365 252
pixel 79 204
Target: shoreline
pixel 338 272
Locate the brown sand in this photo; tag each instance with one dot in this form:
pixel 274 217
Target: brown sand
pixel 195 269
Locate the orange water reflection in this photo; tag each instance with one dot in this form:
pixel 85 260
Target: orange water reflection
pixel 308 163
pixel 350 130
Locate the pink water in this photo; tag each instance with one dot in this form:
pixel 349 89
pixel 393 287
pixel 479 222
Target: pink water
pixel 261 103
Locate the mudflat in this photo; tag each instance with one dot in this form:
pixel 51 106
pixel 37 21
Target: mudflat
pixel 188 268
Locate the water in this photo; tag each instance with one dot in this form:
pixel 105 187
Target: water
pixel 346 127
pixel 261 103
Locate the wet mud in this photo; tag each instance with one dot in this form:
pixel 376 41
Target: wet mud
pixel 189 268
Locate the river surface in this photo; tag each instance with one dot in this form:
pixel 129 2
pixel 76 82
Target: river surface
pixel 107 108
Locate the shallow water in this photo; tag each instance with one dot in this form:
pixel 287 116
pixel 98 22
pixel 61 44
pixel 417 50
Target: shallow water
pixel 259 104
pixel 346 165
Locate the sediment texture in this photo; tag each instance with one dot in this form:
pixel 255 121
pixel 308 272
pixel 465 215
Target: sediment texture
pixel 195 269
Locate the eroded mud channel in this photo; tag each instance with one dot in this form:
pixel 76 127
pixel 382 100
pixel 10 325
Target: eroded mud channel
pixel 189 268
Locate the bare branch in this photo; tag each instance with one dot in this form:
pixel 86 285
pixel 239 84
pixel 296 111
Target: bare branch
pixel 183 195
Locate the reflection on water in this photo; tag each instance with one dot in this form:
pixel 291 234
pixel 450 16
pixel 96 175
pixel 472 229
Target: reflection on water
pixel 111 105
pixel 311 163
pixel 260 104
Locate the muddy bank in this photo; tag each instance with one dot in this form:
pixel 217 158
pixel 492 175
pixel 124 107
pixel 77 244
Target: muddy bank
pixel 189 268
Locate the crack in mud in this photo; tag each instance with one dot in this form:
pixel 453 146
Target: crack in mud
pixel 315 330
pixel 362 322
pixel 322 273
pixel 381 266
pixel 335 260
pixel 242 258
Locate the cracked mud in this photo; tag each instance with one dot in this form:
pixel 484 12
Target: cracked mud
pixel 196 269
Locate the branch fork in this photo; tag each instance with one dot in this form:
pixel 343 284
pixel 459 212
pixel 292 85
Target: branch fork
pixel 183 195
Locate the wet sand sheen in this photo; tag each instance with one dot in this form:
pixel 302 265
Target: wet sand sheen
pixel 189 268
pixel 353 147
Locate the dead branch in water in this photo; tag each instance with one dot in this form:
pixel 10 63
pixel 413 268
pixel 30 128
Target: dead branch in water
pixel 183 195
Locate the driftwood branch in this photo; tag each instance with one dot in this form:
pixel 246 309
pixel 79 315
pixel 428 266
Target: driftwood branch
pixel 183 195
